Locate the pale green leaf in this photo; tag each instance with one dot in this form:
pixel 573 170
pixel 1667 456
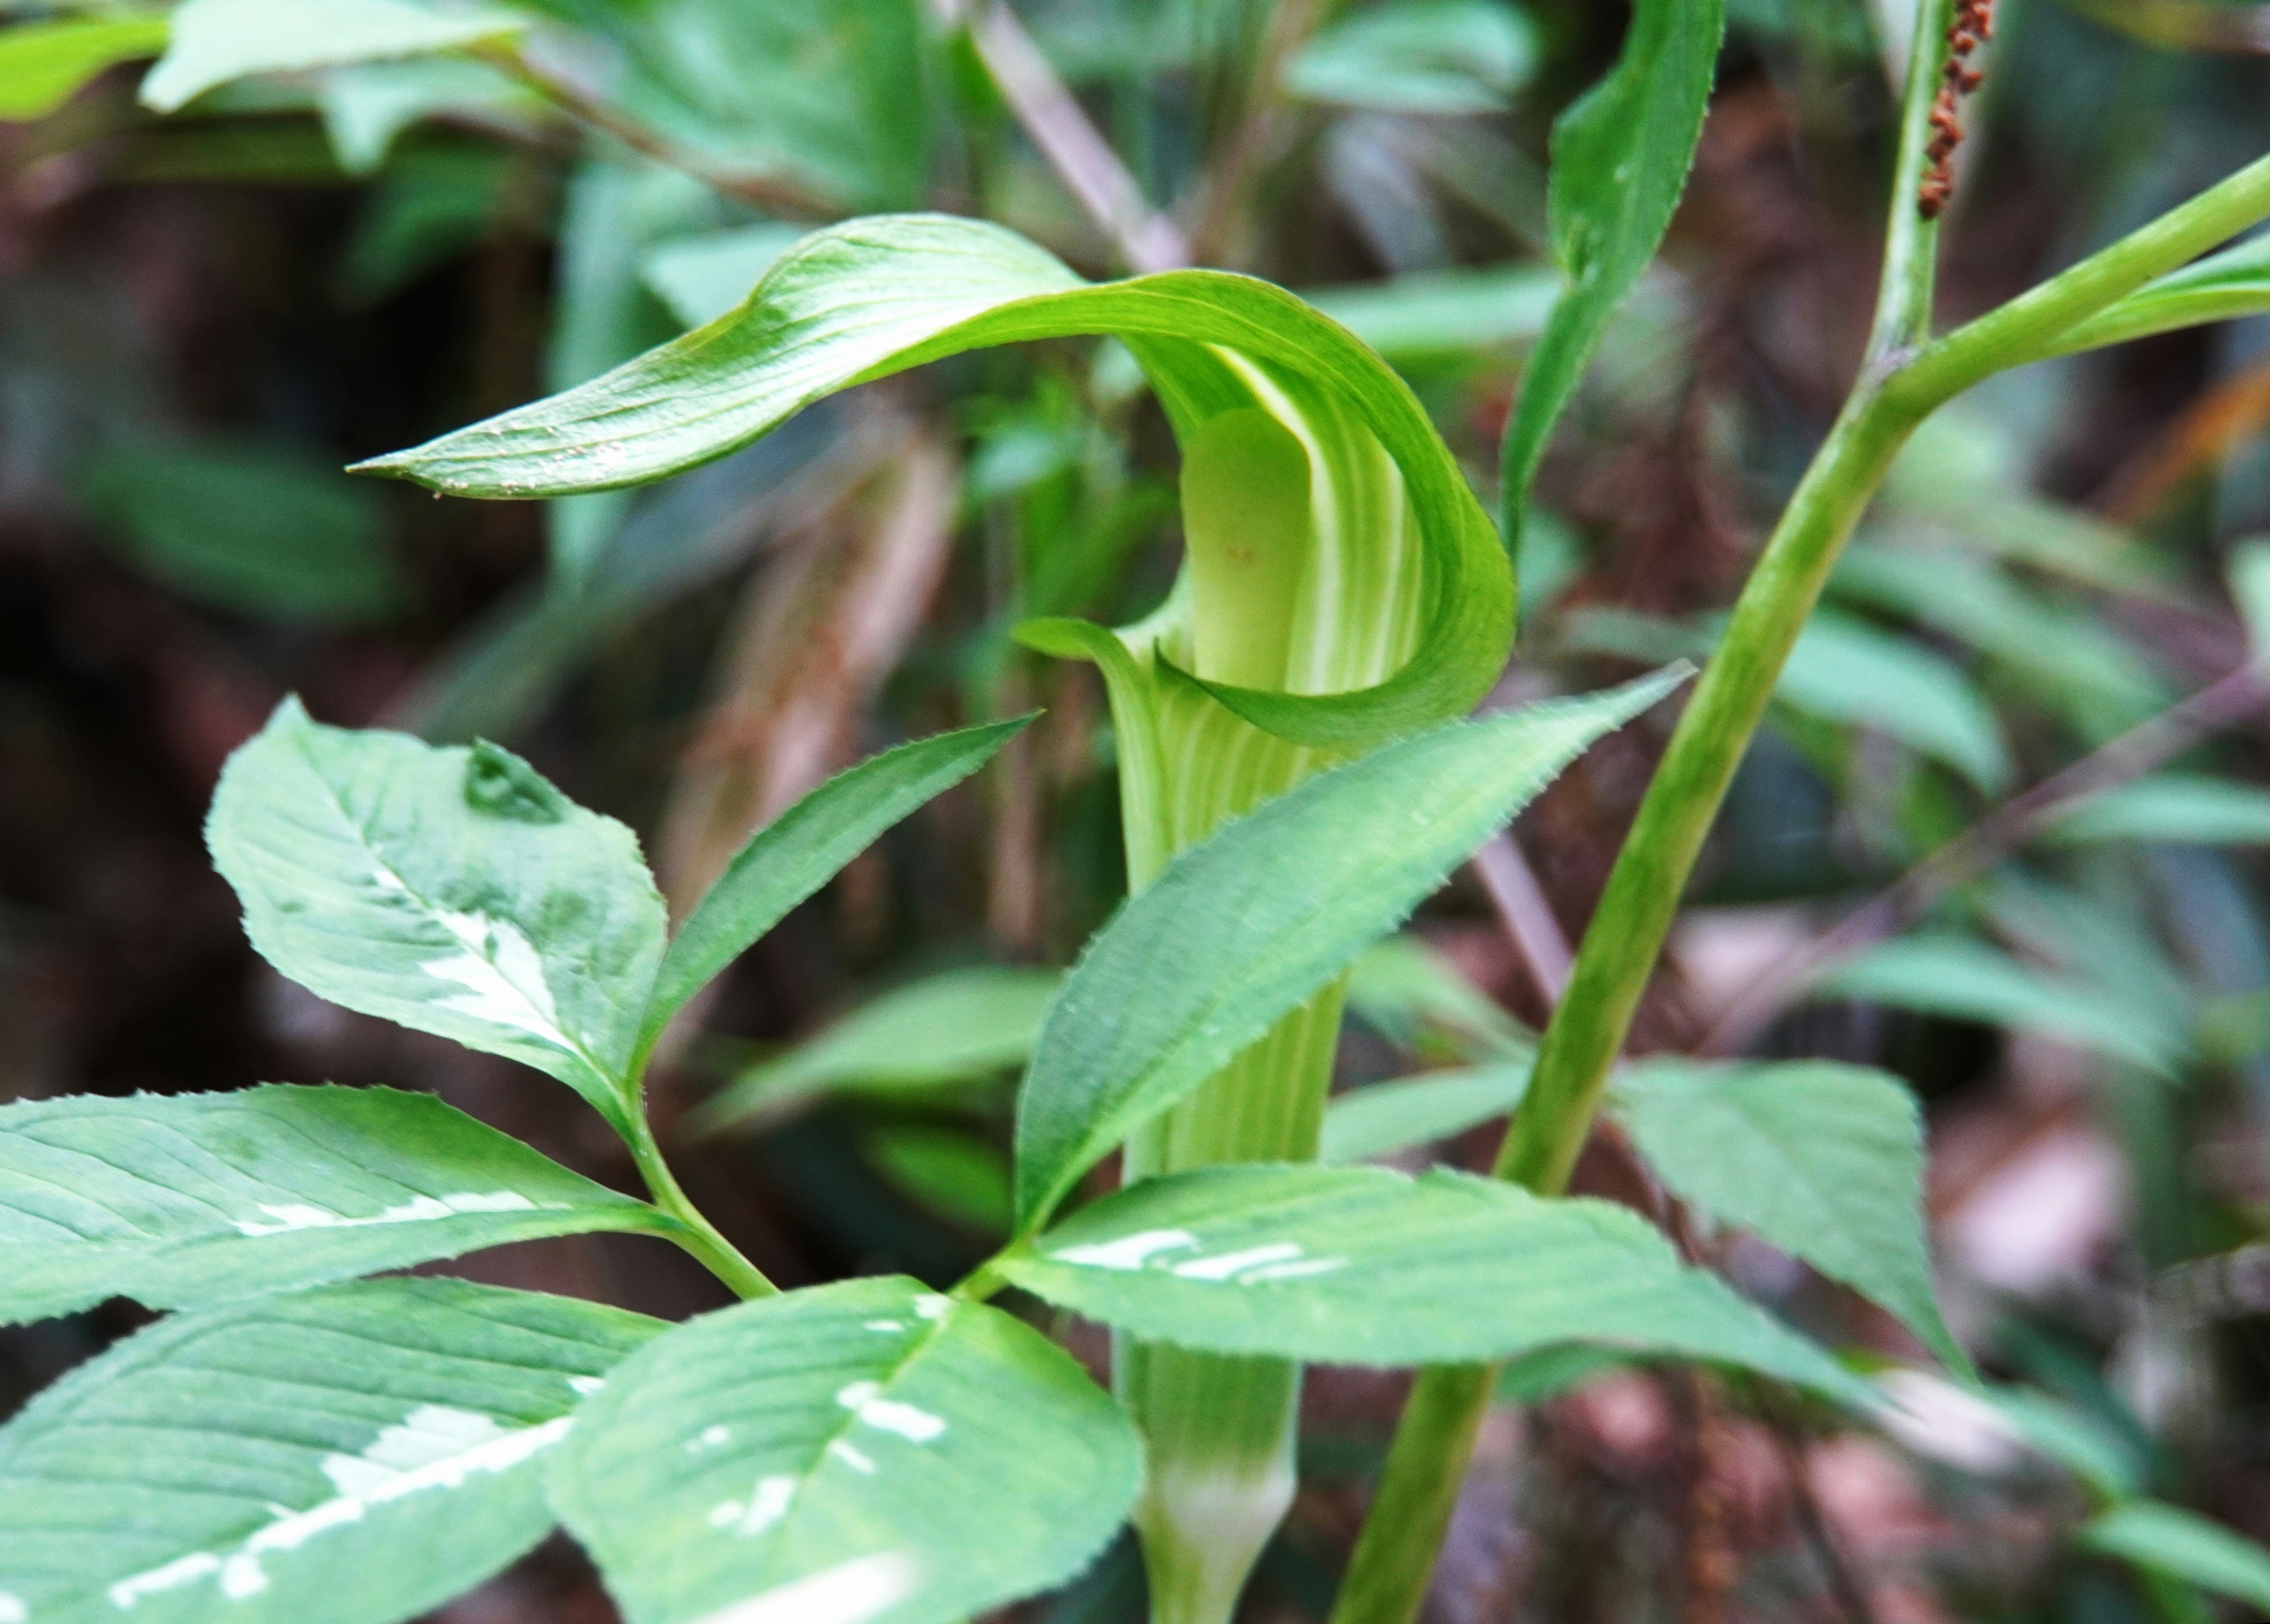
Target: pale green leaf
pixel 805 847
pixel 355 1455
pixel 1412 995
pixel 1847 672
pixel 43 65
pixel 865 1451
pixel 702 278
pixel 244 528
pixel 1966 980
pixel 2249 573
pixel 945 1028
pixel 1620 156
pixel 189 1198
pixel 365 107
pixel 2222 287
pixel 952 1171
pixel 217 40
pixel 874 297
pixel 2185 1545
pixel 1429 314
pixel 2173 809
pixel 1250 924
pixel 1824 1160
pixel 451 890
pixel 1429 57
pixel 1363 1266
pixel 1381 1118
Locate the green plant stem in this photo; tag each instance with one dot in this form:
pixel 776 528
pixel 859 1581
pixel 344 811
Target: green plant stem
pixel 1387 1579
pixel 702 1240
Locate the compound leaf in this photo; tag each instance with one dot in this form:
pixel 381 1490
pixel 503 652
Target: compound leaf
pixel 1359 1265
pixel 1823 1161
pixel 868 1450
pixel 199 1197
pixel 1250 924
pixel 355 1455
pixel 451 890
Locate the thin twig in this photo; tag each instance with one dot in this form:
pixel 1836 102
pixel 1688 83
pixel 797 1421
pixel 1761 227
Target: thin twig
pixel 770 193
pixel 1851 1594
pixel 1052 119
pixel 1529 923
pixel 2143 748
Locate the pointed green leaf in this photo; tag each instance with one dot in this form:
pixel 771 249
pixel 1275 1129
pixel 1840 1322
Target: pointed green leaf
pixel 1823 1161
pixel 1240 930
pixel 192 1199
pixel 449 890
pixel 874 297
pixel 217 40
pixel 1847 672
pixel 2174 809
pixel 2185 1545
pixel 866 1453
pixel 1362 1266
pixel 945 1028
pixel 1412 996
pixel 42 65
pixel 351 1455
pixel 805 847
pixel 1381 1118
pixel 2222 287
pixel 1619 161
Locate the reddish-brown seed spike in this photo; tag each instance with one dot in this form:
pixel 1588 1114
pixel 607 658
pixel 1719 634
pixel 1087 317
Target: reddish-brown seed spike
pixel 1963 41
pixel 1966 80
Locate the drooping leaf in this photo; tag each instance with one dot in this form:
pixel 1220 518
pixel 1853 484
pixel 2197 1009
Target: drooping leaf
pixel 1359 1265
pixel 863 1451
pixel 1620 156
pixel 451 890
pixel 945 1028
pixel 1823 1161
pixel 805 847
pixel 245 529
pixel 874 297
pixel 367 106
pixel 217 40
pixel 2173 809
pixel 43 65
pixel 2185 1545
pixel 1381 1118
pixel 193 1198
pixel 1250 924
pixel 1429 57
pixel 355 1455
pixel 2222 287
pixel 1967 980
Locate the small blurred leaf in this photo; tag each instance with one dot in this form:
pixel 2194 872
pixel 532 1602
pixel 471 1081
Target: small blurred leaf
pixel 955 1174
pixel 2170 809
pixel 365 107
pixel 1967 980
pixel 247 528
pixel 2073 1439
pixel 1441 312
pixel 429 208
pixel 2185 1545
pixel 1445 56
pixel 1823 1161
pixel 2222 287
pixel 1550 1372
pixel 1412 996
pixel 1381 1118
pixel 217 40
pixel 2249 573
pixel 1847 672
pixel 948 1028
pixel 42 65
pixel 702 278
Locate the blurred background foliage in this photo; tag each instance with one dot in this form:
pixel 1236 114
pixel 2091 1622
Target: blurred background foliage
pixel 2038 662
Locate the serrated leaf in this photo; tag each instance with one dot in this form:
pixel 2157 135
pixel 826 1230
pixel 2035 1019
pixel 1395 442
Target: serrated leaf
pixel 874 297
pixel 193 1198
pixel 452 890
pixel 43 65
pixel 215 42
pixel 945 1028
pixel 1362 1266
pixel 1967 980
pixel 1250 924
pixel 1823 1161
pixel 351 1455
pixel 1381 1118
pixel 2175 809
pixel 867 1453
pixel 805 847
pixel 2182 1545
pixel 1620 156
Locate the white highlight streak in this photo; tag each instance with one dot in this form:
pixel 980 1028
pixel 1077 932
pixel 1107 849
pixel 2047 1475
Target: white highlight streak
pixel 13 1610
pixel 290 1216
pixel 864 1401
pixel 853 1457
pixel 502 975
pixel 1129 1251
pixel 588 1386
pixel 851 1592
pixel 1229 1264
pixel 173 1575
